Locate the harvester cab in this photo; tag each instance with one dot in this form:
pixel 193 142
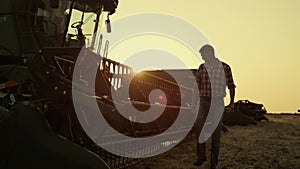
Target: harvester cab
pixel 28 26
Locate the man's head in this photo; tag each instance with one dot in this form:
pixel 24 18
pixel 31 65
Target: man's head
pixel 207 52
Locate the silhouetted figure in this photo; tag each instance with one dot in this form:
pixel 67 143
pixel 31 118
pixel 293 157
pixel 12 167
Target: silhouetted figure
pixel 212 78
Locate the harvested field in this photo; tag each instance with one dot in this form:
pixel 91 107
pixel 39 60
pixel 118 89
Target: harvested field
pixel 273 144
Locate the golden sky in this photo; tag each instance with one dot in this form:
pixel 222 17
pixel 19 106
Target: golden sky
pixel 260 40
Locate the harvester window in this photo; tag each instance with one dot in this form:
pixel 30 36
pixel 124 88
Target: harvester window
pixel 81 26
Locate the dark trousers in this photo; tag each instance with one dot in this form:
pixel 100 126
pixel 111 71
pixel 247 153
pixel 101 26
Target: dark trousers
pixel 216 135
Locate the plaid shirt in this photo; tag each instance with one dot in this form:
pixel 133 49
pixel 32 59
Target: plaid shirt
pixel 212 80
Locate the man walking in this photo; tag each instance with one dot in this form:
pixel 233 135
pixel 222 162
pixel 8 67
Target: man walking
pixel 212 78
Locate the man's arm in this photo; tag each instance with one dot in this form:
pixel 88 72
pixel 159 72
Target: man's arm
pixel 195 97
pixel 231 86
pixel 232 95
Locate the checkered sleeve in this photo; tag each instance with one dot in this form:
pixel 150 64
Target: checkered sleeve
pixel 203 81
pixel 228 75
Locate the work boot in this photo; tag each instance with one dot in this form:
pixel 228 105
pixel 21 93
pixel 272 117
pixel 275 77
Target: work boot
pixel 199 162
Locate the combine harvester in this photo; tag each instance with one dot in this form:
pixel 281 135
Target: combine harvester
pixel 38 124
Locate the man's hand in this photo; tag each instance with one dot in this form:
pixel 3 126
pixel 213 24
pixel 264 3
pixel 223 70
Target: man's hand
pixel 231 107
